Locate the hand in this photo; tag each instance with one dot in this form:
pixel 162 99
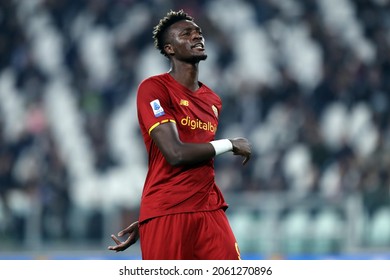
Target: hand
pixel 242 147
pixel 133 232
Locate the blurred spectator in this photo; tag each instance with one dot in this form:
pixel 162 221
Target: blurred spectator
pixel 310 89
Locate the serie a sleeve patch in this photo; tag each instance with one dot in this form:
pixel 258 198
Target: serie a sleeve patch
pixel 158 110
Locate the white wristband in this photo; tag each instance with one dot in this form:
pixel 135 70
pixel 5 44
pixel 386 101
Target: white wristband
pixel 222 146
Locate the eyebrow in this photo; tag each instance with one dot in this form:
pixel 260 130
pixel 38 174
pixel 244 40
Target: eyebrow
pixel 197 28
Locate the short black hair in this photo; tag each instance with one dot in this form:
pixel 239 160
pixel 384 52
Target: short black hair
pixel 160 29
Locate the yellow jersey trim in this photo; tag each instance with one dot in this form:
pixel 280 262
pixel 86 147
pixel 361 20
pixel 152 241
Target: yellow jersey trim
pixel 158 123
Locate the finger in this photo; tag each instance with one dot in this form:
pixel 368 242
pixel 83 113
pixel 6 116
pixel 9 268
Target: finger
pixel 116 240
pixel 131 239
pixel 115 248
pixel 124 231
pixel 130 228
pixel 246 160
pixel 112 247
pixel 120 247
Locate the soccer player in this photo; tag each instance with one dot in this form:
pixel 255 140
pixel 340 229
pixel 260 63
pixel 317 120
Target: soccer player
pixel 182 211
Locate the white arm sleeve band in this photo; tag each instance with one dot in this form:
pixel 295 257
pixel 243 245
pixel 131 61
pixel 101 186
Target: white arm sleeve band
pixel 222 146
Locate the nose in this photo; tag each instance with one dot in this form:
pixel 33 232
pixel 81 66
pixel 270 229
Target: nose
pixel 197 35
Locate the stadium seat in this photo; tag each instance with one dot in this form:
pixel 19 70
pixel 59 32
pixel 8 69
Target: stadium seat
pixel 295 231
pixel 379 228
pixel 2 215
pixel 242 224
pixel 296 165
pixel 327 232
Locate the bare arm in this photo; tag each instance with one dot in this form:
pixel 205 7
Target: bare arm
pixel 166 137
pixel 178 153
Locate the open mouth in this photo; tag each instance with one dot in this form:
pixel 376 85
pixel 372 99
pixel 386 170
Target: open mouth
pixel 198 46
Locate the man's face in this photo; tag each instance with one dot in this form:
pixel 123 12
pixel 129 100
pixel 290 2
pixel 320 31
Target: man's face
pixel 185 42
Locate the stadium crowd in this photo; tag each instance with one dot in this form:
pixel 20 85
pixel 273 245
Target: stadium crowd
pixel 307 81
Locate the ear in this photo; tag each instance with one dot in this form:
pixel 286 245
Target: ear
pixel 169 49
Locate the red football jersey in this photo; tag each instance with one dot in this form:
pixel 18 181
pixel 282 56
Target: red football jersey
pixel 168 189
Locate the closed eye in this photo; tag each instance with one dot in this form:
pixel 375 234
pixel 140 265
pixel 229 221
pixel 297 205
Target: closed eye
pixel 188 31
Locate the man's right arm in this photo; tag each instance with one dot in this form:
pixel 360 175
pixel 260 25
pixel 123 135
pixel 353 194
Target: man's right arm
pixel 176 152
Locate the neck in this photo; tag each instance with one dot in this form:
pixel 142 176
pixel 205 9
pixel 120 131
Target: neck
pixel 186 74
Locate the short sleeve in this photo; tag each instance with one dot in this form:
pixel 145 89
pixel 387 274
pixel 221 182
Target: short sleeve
pixel 153 104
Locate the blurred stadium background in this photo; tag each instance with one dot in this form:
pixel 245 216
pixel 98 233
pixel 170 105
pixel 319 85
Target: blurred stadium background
pixel 308 82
